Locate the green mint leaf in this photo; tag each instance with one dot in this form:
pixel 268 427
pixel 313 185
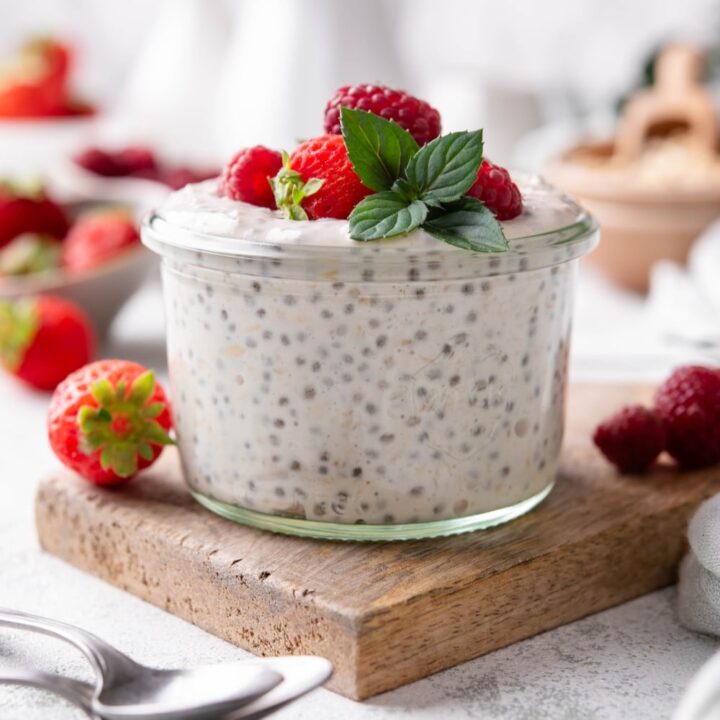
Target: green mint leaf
pixel 444 169
pixel 468 224
pixel 385 214
pixel 379 149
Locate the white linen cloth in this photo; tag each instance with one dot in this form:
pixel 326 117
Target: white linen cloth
pixel 699 608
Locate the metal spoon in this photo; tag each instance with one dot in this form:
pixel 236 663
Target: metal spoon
pixel 125 689
pixel 301 675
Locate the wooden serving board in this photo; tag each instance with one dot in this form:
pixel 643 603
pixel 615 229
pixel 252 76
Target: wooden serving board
pixel 387 614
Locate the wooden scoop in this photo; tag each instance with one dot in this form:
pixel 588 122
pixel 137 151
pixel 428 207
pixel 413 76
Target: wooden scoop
pixel 677 99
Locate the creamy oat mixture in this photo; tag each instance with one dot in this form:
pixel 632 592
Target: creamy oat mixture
pixel 325 390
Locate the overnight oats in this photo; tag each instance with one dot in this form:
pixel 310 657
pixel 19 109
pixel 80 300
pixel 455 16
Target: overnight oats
pixel 392 388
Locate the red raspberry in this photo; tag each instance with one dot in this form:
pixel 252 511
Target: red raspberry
pixel 417 117
pixel 688 403
pixel 326 158
pixel 495 188
pixel 246 176
pixel 631 439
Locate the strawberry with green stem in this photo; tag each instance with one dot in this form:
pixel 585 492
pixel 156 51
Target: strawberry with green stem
pixel 109 420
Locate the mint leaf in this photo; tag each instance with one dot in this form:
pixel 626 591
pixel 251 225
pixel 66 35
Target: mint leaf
pixel 378 149
pixel 445 168
pixel 468 224
pixel 385 214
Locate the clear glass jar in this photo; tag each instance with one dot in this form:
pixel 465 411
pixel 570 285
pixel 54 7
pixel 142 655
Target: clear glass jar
pixel 370 391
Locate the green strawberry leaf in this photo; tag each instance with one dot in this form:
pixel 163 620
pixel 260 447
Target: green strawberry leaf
pixel 289 190
pixel 19 324
pixel 444 169
pixel 468 224
pixel 379 149
pixel 385 214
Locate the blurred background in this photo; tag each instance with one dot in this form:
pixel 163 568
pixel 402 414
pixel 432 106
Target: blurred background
pixel 551 83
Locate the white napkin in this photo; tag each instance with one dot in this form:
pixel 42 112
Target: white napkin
pixel 684 303
pixel 699 608
pixel 699 587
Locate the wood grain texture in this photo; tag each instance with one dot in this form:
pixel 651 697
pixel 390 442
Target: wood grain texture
pixel 387 614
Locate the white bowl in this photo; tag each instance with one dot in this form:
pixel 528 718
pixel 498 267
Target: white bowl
pixel 32 147
pixel 100 291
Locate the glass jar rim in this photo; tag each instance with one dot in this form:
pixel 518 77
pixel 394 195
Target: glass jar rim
pixel 549 247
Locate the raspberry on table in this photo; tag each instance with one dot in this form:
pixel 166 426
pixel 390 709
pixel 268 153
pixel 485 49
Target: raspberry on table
pixel 326 158
pixel 246 177
pixel 688 404
pixel 495 188
pixel 419 118
pixel 631 439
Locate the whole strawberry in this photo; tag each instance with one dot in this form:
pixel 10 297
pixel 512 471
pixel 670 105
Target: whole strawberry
pixel 495 188
pixel 323 162
pixel 631 439
pixel 97 237
pixel 688 404
pixel 29 210
pixel 247 176
pixel 420 119
pixel 43 339
pixel 108 420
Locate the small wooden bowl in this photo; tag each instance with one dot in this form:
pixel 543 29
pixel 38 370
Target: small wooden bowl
pixel 638 226
pixel 641 225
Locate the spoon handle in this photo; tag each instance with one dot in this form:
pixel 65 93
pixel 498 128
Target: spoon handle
pixel 109 664
pixel 76 692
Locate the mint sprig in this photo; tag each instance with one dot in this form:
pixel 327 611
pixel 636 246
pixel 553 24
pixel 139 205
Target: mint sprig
pixel 290 190
pixel 418 187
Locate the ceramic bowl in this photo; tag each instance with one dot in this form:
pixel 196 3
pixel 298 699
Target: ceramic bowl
pixel 639 226
pixel 101 291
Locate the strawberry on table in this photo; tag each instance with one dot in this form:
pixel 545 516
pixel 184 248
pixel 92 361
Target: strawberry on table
pixel 28 209
pixel 43 339
pixel 97 237
pixel 109 420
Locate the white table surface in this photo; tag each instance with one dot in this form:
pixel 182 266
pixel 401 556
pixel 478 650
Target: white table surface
pixel 633 661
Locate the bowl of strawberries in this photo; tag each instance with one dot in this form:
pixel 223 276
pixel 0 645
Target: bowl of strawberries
pixel 41 118
pixel 84 252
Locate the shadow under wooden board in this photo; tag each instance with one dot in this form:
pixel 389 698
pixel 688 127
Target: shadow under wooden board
pixel 387 614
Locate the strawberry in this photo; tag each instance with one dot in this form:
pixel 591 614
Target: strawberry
pixel 35 83
pixel 109 420
pixel 30 253
pixel 97 237
pixel 325 160
pixel 29 210
pixel 43 339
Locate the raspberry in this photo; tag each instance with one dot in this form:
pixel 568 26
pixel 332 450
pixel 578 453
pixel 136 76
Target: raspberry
pixel 326 158
pixel 417 117
pixel 495 188
pixel 246 176
pixel 631 439
pixel 688 403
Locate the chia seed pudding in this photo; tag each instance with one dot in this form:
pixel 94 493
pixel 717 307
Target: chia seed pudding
pixel 394 389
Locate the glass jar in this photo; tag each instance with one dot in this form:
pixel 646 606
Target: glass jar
pixel 367 391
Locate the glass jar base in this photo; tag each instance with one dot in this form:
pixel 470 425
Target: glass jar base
pixel 370 533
